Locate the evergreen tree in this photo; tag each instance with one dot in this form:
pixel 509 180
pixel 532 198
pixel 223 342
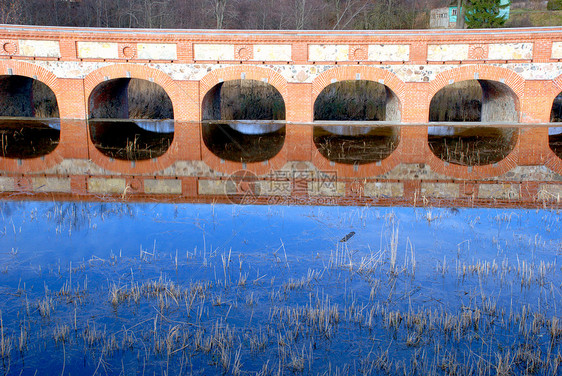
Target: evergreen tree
pixel 484 13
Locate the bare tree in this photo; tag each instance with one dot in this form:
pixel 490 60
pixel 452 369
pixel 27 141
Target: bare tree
pixel 10 11
pixel 346 12
pixel 219 9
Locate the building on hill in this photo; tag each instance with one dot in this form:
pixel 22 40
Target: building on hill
pixel 446 17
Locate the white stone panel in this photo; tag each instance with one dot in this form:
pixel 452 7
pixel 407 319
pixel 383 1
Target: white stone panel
pixel 326 189
pixel 97 50
pixel 157 51
pixel 213 52
pixel 447 52
pixel 389 52
pixel 166 186
pixel 275 188
pixel 557 50
pixel 39 48
pixel 446 190
pixel 45 184
pixel 510 51
pixel 383 189
pixel 272 52
pixel 499 191
pixel 214 187
pixel 328 52
pixel 550 192
pixel 6 184
pixel 106 186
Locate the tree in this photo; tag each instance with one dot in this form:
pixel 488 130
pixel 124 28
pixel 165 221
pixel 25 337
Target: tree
pixel 484 14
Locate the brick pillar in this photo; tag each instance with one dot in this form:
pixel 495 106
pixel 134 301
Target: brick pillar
pixel 413 146
pixel 299 142
pixel 533 146
pixel 187 138
pixel 299 53
pixel 74 139
pixel 536 103
pixel 185 52
pixel 298 104
pixel 542 51
pixel 415 108
pixel 68 49
pixel 418 52
pixel 188 107
pixel 70 98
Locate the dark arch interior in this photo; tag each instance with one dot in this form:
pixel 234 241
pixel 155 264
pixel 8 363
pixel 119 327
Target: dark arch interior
pixel 131 119
pixel 357 100
pixel 243 100
pixel 472 146
pixel 556 112
pixel 29 124
pixel 130 98
pixel 555 140
pixel 475 100
pixel 356 144
pixel 244 142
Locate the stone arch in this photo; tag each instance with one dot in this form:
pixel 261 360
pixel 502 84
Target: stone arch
pixel 249 72
pixel 489 76
pixel 210 86
pixel 35 72
pixel 142 72
pixel 354 72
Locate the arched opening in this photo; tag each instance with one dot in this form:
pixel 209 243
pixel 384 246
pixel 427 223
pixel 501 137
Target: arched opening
pixel 357 100
pixel 475 101
pixel 131 119
pixel 29 118
pixel 356 144
pixel 471 146
pixel 243 121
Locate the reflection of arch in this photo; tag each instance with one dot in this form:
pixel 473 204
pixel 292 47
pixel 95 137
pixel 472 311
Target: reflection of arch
pixel 218 76
pixel 496 85
pixel 475 172
pixel 142 72
pixel 351 73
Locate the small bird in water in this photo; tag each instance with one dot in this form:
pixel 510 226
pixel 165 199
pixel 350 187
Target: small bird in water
pixel 347 237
